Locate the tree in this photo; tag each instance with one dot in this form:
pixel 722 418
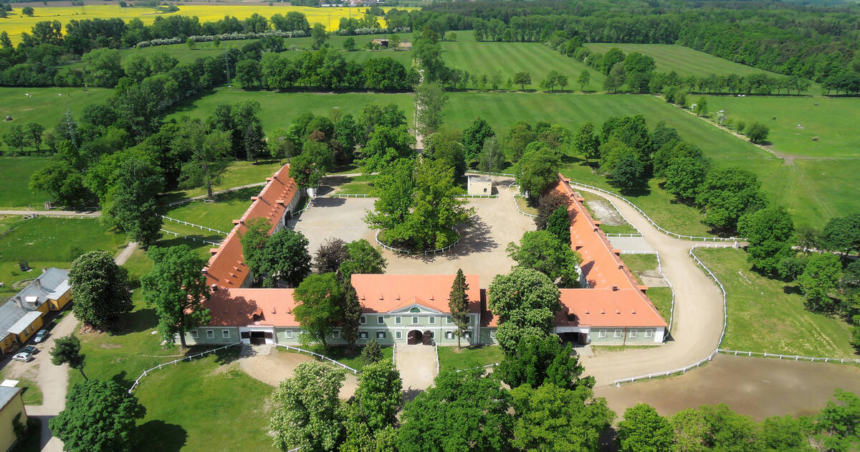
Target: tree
pixel 616 78
pixel 550 418
pixel 492 157
pixel 550 81
pixel 253 241
pixel 628 172
pixel 349 44
pixel 548 205
pixel 462 411
pixel 191 44
pixel 100 416
pixel 839 420
pixel 318 314
pixel 643 430
pixel 430 99
pixel 770 235
pixel 537 171
pixel 702 106
pixel 586 142
pixel 309 414
pixel 16 137
pixel 103 67
pixel 684 177
pixel 208 153
pixel 519 137
pixel 99 288
pixel 525 301
pixel 522 79
pixel 178 291
pixel 584 79
pixel 842 234
pixel 715 428
pixel 67 350
pixel 34 130
pixel 350 310
pixel 458 304
pixel 285 257
pixel 558 225
pixel 727 194
pixel 27 11
pixel 757 132
pixel 386 145
pixel 446 145
pixel 542 251
pixel 131 202
pixel 819 278
pixel 379 395
pixel 318 35
pixel 371 353
pixel 309 167
pixel 361 258
pixel 475 137
pixel 785 433
pixel 538 361
pixel 789 268
pixel 330 255
pixel 562 81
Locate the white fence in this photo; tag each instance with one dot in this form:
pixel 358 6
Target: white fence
pixel 491 174
pixel 426 252
pixel 618 234
pixel 671 288
pixel 791 357
pixel 176 361
pixel 514 197
pixel 394 354
pixel 176 234
pixel 436 349
pixel 317 355
pixel 638 252
pixel 348 195
pixel 656 226
pixel 193 225
pixel 481 367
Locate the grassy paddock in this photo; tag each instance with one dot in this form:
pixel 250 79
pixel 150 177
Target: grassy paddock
pixel 217 215
pixel 662 299
pixel 238 174
pixel 640 263
pixel 15 173
pixel 468 357
pixel 767 315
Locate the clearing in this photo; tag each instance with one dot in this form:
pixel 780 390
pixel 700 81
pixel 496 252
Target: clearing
pixel 15 173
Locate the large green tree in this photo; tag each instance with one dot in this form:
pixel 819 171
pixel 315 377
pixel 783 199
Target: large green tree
pixel 67 350
pixel 542 360
pixel 538 169
pixel 430 99
pixel 253 241
pixel 100 416
pixel 131 202
pixel 525 302
pixel 309 414
pixel 558 224
pixel 385 146
pixel 461 411
pixel 320 298
pixel 208 155
pixel 586 142
pixel 99 288
pixel 542 251
pixel 770 234
pixel 819 278
pixel 839 422
pixel 361 258
pixel 842 234
pixel 644 430
pixel 177 289
pixel 446 145
pixel 475 137
pixel 727 194
pixel 285 257
pixel 684 177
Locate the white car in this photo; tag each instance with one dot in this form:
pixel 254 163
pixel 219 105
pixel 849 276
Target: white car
pixel 23 356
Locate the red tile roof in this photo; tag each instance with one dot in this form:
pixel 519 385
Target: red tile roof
pixel 386 293
pixel 226 267
pixel 242 307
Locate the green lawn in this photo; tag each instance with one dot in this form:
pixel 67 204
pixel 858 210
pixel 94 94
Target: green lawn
pixel 468 357
pixel 640 263
pixel 343 355
pixel 356 185
pixel 279 109
pixel 46 107
pixel 238 174
pixel 662 299
pixel 15 175
pixel 523 204
pixel 767 315
pixel 217 215
pixel 31 395
pixel 508 58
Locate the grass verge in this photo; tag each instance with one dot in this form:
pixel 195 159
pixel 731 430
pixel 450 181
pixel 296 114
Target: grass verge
pixel 468 357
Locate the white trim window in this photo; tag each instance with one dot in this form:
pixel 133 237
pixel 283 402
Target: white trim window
pixel 363 320
pixel 398 334
pixel 362 334
pixel 398 320
pixel 432 320
pixel 601 334
pixel 225 334
pixel 210 334
pixel 492 334
pixel 415 320
pixel 380 320
pixel 619 333
pixel 288 334
pixel 449 335
pixel 380 334
pixel 448 320
pixel 633 334
pixel 649 333
pixel 194 334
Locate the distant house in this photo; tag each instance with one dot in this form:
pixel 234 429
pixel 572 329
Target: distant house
pixel 11 407
pixel 21 316
pixel 479 186
pixel 380 42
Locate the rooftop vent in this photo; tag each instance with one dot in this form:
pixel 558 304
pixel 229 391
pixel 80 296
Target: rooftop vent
pixel 614 288
pixel 273 310
pixel 602 311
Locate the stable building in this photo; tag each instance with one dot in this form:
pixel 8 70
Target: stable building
pixel 11 411
pixel 22 315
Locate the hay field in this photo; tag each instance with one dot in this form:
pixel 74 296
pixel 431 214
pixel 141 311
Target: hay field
pixel 16 23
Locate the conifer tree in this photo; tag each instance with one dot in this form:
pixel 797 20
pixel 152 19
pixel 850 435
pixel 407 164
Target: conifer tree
pixel 459 304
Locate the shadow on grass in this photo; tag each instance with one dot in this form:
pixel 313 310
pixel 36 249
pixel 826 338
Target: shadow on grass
pixel 161 436
pixel 122 379
pixel 225 356
pixel 137 321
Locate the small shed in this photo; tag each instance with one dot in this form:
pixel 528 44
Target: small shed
pixel 479 186
pixel 406 45
pixel 381 42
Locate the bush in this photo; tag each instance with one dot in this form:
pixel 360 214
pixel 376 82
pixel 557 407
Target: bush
pixel 371 353
pixel 741 126
pixel 757 132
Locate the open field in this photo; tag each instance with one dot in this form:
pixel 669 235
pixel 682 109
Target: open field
pixel 279 109
pixel 238 174
pixel 832 120
pixel 17 23
pixel 15 175
pixel 767 315
pixel 217 215
pixel 46 107
pixel 508 58
pixel 468 357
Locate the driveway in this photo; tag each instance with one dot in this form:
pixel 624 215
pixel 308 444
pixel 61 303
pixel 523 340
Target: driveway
pixel 417 366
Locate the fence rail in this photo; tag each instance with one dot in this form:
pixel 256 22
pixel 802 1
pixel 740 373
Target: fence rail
pixel 514 197
pixel 317 355
pixel 176 361
pixel 793 357
pixel 348 195
pixel 490 174
pixel 194 225
pixel 672 289
pixel 638 252
pixel 479 367
pixel 478 196
pixel 436 349
pixel 176 234
pixel 656 226
pixel 617 234
pixel 425 252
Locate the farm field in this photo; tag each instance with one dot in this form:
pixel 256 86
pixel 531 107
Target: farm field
pixel 16 23
pixel 15 175
pixel 280 109
pixel 759 305
pixel 508 58
pixel 832 120
pixel 46 107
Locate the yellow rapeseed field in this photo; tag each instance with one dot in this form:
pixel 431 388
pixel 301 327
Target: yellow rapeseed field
pixel 16 23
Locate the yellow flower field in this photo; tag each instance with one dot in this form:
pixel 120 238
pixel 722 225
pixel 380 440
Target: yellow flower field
pixel 15 24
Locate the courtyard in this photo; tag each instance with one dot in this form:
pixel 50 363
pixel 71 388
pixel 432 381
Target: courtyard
pixel 481 249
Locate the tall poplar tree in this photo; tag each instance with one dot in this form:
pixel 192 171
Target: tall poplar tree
pixel 459 304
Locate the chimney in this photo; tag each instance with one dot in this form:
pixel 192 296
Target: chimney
pixel 19 303
pixel 38 283
pixel 614 288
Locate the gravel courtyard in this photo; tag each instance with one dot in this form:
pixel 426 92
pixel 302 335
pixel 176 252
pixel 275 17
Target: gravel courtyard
pixel 481 249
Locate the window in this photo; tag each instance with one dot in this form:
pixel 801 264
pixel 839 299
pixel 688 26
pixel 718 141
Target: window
pixel 492 334
pixel 432 320
pixel 398 320
pixel 210 334
pixel 194 334
pixel 601 334
pixel 449 335
pixel 649 333
pixel 362 334
pixel 380 334
pixel 414 310
pixel 225 334
pixel 448 320
pixel 288 334
pixel 618 334
pixel 632 334
pixel 485 190
pixel 380 320
pixel 467 335
pixel 415 320
pixel 335 334
pixel 363 320
pixel 398 334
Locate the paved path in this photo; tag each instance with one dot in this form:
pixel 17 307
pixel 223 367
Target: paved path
pixel 417 366
pixel 54 213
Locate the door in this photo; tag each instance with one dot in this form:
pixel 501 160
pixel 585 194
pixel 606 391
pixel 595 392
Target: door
pixel 414 337
pixel 258 337
pixel 428 338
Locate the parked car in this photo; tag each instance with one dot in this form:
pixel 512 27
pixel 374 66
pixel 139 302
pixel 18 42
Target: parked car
pixel 23 356
pixel 29 349
pixel 41 335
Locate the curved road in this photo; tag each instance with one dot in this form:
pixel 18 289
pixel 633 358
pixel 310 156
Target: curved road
pixel 698 310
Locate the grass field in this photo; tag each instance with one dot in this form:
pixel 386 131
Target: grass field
pixel 46 107
pixel 217 215
pixel 767 315
pixel 638 263
pixel 17 23
pixel 238 174
pixel 468 357
pixel 280 109
pixel 15 175
pixel 508 58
